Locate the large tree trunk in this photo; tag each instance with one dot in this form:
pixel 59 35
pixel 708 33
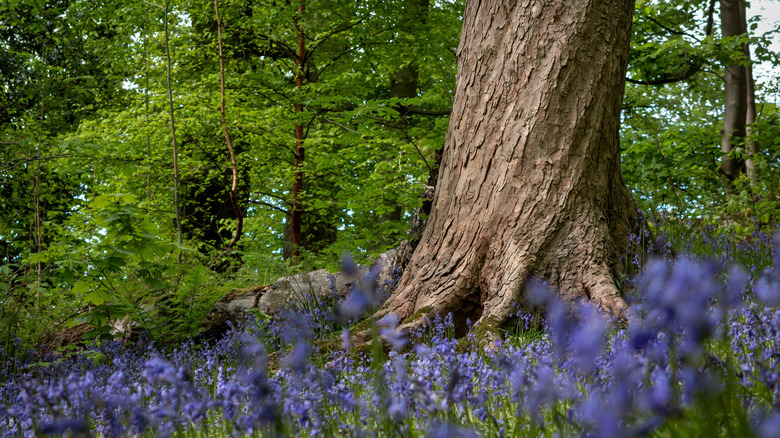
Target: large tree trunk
pixel 735 84
pixel 530 181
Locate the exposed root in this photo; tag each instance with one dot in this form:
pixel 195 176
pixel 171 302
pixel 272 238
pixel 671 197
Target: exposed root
pixel 602 291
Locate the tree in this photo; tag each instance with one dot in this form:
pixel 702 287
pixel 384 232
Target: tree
pixel 670 120
pixel 685 81
pixel 530 181
pixel 740 97
pixel 736 99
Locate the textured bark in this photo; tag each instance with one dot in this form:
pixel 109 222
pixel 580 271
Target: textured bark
pixel 735 85
pixel 530 180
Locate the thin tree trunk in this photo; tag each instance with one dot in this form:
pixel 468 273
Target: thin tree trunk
pixel 735 85
pixel 37 182
pixel 405 81
pixel 404 85
pixel 530 181
pixel 297 206
pixel 228 142
pixel 752 146
pixel 173 136
pixel 146 109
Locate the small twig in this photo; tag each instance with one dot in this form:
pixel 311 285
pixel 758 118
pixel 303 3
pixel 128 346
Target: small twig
pixel 672 181
pixel 419 152
pixel 658 142
pixel 156 5
pixel 333 122
pixel 408 138
pixel 670 30
pixel 269 205
pixel 271 195
pixel 422 112
pixel 329 35
pixel 21 161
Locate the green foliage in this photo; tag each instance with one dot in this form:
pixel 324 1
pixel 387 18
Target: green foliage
pixel 105 198
pixel 84 118
pixel 671 133
pixel 758 199
pixel 124 270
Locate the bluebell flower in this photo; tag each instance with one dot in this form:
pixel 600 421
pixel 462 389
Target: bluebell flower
pixel 588 338
pixel 767 290
pixel 639 336
pixel 61 426
pixel 348 265
pixel 298 358
pixel 388 330
pixel 397 409
pixel 604 421
pixel 158 370
pixel 737 282
pixel 345 340
pixel 448 430
pixel 660 396
pixel 537 291
pixel 769 426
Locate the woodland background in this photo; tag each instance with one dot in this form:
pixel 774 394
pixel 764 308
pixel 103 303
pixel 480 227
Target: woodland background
pixel 335 113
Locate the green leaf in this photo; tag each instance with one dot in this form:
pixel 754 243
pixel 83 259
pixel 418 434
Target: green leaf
pixel 98 297
pixel 82 286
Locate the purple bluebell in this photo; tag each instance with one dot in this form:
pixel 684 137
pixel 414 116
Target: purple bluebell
pixel 769 425
pixel 388 330
pixel 448 430
pixel 158 370
pixel 62 426
pixel 588 338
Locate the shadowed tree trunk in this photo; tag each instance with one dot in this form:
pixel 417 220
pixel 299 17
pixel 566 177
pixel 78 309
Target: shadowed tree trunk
pixel 530 180
pixel 750 119
pixel 735 85
pixel 405 80
pixel 750 110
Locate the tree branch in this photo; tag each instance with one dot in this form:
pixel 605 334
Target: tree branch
pixel 404 110
pixel 668 78
pixel 670 30
pixel 21 161
pixel 269 205
pixel 344 127
pixel 695 67
pixel 329 35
